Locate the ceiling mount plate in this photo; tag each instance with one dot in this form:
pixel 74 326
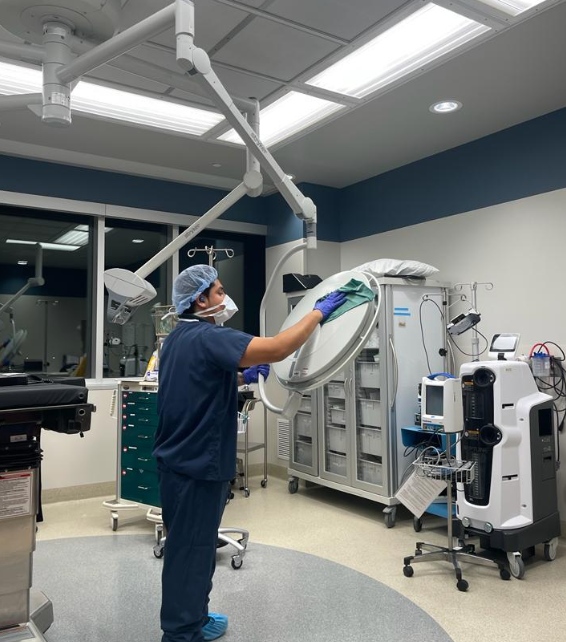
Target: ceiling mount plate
pixel 332 345
pixel 96 20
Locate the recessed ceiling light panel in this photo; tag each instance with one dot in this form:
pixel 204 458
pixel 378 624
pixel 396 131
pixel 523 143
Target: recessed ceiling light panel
pixel 287 116
pixel 426 35
pixel 46 246
pixel 512 7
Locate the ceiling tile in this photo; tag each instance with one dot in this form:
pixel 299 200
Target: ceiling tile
pixel 135 10
pixel 343 19
pixel 212 23
pixel 127 80
pixel 274 49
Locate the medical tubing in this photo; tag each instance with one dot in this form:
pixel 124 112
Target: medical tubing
pixel 262 319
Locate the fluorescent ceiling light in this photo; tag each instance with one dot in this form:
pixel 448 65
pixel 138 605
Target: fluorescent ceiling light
pixel 22 262
pixel 512 7
pixel 77 236
pixel 446 106
pixel 46 246
pixel 426 35
pixel 114 104
pixel 287 116
pixel 137 240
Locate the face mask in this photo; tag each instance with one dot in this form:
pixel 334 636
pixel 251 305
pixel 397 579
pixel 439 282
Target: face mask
pixel 221 316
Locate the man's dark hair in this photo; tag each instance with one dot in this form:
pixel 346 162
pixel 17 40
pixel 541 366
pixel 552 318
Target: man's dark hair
pixel 205 293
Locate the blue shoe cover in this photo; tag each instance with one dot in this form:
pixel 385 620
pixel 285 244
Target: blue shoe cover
pixel 216 626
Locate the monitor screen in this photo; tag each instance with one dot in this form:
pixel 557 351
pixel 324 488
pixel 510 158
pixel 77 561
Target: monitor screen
pixel 434 401
pixel 504 343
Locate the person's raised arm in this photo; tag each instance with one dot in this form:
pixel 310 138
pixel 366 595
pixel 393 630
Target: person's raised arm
pixel 272 349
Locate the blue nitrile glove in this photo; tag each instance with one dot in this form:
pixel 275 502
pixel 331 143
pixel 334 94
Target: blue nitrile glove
pixel 330 303
pixel 251 375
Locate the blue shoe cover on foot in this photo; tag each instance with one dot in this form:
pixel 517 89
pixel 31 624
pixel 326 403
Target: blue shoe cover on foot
pixel 216 626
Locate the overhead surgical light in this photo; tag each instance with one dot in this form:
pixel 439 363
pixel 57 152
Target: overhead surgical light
pixel 287 116
pixel 426 35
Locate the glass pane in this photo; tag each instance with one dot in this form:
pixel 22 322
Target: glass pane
pixel 128 347
pixel 368 414
pixel 335 441
pixel 47 328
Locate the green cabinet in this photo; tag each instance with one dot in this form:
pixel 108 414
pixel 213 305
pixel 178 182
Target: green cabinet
pixel 138 469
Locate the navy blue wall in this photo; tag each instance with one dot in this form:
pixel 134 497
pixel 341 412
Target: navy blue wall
pixel 66 181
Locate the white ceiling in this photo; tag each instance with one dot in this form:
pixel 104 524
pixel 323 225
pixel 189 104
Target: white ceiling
pixel 512 77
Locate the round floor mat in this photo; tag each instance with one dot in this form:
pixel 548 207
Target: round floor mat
pixel 107 589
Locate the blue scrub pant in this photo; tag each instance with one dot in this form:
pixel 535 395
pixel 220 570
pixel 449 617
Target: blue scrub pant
pixel 192 510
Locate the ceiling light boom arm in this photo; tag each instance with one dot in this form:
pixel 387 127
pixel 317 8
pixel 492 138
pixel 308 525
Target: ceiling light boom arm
pixel 34 281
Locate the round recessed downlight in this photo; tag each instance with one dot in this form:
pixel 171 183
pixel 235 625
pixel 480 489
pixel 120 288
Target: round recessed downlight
pixel 22 262
pixel 445 106
pixel 137 240
pixel 216 165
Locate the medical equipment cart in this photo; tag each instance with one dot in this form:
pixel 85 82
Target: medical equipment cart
pixel 347 435
pixel 137 483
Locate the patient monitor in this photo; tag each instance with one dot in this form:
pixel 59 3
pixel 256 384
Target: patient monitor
pixel 442 403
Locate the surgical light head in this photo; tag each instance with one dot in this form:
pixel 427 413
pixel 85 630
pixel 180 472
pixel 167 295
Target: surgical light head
pixel 190 283
pixel 126 292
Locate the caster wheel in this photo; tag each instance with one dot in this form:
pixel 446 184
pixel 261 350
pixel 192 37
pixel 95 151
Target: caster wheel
pixel 462 585
pixel 417 524
pixel 389 519
pixel 246 492
pixel 504 574
pixel 293 485
pixel 236 563
pixel 550 549
pixel 114 523
pixel 516 566
pixel 158 535
pixel 264 483
pixel 158 551
pixel 408 571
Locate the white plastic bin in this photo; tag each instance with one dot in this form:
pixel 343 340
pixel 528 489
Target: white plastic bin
pixel 336 464
pixel 338 416
pixel 336 439
pixel 303 424
pixel 303 453
pixel 370 441
pixel 373 341
pixel 370 471
pixel 368 374
pixel 336 390
pixel 305 405
pixel 369 412
pixel 339 376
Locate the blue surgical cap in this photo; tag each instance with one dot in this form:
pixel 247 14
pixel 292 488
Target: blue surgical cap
pixel 190 283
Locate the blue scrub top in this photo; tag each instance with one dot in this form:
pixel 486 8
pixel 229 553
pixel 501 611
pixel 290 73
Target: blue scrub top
pixel 198 400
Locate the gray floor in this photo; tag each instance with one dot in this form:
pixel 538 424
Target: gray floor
pixel 107 589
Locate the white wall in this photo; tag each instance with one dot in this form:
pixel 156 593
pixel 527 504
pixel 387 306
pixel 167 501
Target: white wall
pixel 519 246
pixel 69 460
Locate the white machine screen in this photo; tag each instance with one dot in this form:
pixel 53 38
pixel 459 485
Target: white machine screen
pixel 504 344
pixel 434 401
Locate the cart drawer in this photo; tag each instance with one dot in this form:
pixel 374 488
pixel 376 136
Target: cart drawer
pixel 368 374
pixel 139 408
pixel 336 439
pixel 336 390
pixel 303 453
pixel 370 471
pixel 134 458
pixel 370 412
pixel 303 425
pixel 370 441
pixel 141 398
pixel 140 486
pixel 338 416
pixel 142 436
pixel 336 464
pixel 133 419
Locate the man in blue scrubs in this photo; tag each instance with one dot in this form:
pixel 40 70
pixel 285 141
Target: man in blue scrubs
pixel 195 444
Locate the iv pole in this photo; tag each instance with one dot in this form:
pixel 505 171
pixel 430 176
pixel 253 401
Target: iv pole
pixel 211 252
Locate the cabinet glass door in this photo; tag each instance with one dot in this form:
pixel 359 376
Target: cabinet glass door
pixel 335 450
pixel 304 432
pixel 369 450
